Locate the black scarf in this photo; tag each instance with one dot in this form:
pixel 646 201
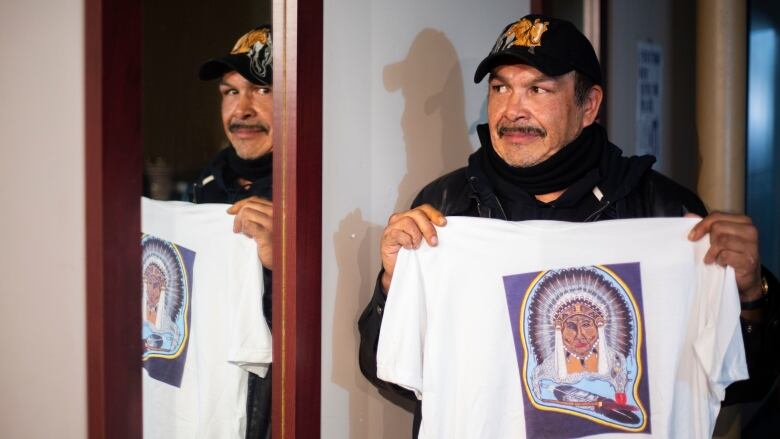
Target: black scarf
pixel 558 172
pixel 251 169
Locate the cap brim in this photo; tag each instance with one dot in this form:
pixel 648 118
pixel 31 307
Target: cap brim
pixel 548 66
pixel 215 68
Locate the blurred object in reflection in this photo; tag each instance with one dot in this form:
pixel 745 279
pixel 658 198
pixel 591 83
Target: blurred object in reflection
pixel 160 176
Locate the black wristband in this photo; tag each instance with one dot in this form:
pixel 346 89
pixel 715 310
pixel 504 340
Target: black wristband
pixel 753 304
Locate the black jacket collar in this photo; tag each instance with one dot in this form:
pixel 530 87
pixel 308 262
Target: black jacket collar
pixel 616 176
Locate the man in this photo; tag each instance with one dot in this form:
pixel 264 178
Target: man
pixel 241 173
pixel 543 156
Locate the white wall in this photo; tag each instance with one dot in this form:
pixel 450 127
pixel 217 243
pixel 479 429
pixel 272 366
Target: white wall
pixel 42 265
pixel 400 107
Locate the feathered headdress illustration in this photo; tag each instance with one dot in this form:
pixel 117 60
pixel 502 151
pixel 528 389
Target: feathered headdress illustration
pixel 584 291
pixel 160 259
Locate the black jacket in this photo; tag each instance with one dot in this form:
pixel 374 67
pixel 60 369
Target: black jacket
pixel 630 189
pixel 218 183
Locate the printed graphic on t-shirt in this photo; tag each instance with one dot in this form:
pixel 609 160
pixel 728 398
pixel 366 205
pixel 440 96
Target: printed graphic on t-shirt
pixel 578 337
pixel 167 294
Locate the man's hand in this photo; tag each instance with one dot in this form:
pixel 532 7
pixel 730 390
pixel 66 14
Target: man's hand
pixel 255 218
pixel 733 242
pixel 407 230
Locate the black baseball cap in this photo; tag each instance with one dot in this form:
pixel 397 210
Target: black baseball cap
pixel 551 45
pixel 252 56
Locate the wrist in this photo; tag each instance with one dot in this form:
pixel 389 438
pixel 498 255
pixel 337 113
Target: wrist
pixel 386 278
pixel 756 296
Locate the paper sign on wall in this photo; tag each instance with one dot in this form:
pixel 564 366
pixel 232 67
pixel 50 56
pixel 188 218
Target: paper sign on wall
pixel 648 100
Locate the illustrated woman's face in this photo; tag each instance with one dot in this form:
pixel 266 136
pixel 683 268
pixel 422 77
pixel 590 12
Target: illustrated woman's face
pixel 579 334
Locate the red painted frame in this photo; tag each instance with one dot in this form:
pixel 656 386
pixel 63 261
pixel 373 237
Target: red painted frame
pixel 297 232
pixel 113 222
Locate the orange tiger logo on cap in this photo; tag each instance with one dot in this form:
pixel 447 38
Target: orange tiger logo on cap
pixel 245 43
pixel 525 33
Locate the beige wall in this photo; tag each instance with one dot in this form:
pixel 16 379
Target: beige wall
pixel 42 268
pixel 400 108
pixel 672 25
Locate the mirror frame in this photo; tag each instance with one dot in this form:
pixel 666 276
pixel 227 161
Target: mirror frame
pixel 112 160
pixel 596 28
pixel 297 165
pixel 113 165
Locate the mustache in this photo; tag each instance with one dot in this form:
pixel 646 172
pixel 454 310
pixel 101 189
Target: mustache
pixel 233 126
pixel 525 129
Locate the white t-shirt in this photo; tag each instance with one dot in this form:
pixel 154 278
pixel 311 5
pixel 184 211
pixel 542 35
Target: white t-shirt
pixel 546 329
pixel 203 323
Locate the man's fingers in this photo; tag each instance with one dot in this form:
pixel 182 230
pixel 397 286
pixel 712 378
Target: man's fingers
pixel 254 218
pixel 408 237
pixel 262 238
pixel 250 229
pixel 407 230
pixel 392 241
pixel 733 242
pixel 739 237
pixel 743 250
pixel 743 239
pixel 424 218
pixel 745 230
pixel 261 220
pixel 247 218
pixel 236 207
pixel 265 210
pixel 705 225
pixel 236 224
pixel 256 201
pixel 433 214
pixel 400 238
pixel 739 261
pixel 424 225
pixel 746 269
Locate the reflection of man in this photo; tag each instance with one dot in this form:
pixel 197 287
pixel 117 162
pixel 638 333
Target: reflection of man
pixel 543 156
pixel 241 173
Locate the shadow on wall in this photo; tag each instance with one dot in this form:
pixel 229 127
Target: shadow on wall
pixel 433 121
pixel 436 139
pixel 355 285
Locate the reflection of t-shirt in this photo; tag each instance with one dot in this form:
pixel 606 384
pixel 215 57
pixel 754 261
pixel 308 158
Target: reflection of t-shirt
pixel 563 330
pixel 202 318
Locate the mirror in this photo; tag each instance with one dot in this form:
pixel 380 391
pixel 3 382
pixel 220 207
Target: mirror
pixel 191 357
pixel 114 150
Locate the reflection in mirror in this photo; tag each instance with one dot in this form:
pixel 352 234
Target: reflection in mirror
pixel 182 128
pixel 207 135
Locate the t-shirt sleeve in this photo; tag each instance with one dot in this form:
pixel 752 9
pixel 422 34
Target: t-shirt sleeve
pixel 402 335
pixel 719 346
pixel 250 337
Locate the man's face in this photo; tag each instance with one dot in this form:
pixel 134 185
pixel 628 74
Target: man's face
pixel 532 116
pixel 247 115
pixel 579 334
